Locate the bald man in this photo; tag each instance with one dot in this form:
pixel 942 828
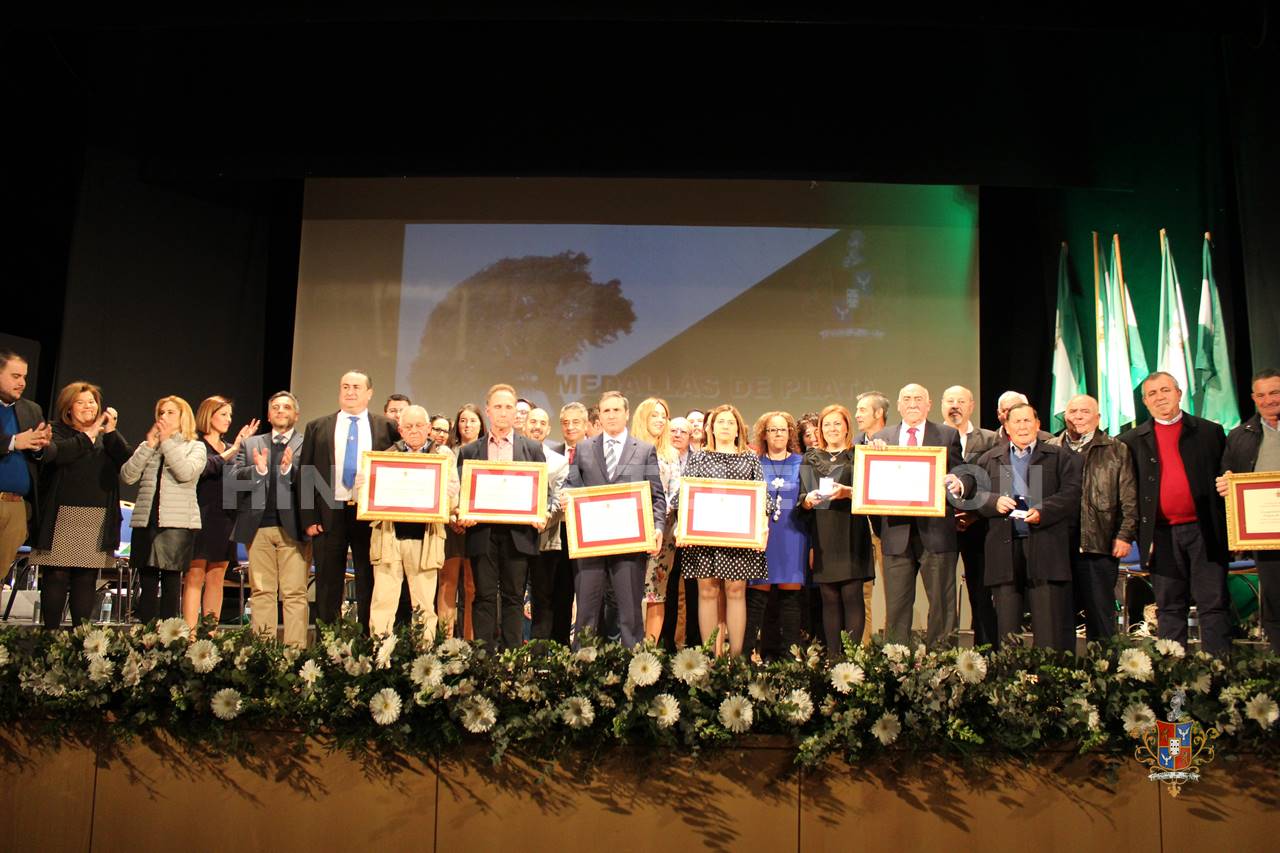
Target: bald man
pixel 1108 521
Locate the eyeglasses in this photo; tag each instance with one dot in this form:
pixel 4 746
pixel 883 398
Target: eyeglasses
pixel 777 430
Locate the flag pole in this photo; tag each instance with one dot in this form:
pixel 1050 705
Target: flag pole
pixel 1099 327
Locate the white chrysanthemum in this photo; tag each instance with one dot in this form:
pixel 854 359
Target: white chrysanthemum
pixel 203 655
pixel 736 713
pixel 95 644
pixel 131 672
pixel 455 647
pixel 1170 648
pixel 478 714
pixel 357 667
pixel 426 671
pixel 645 668
pixel 310 672
pixel 896 652
pixel 4 655
pixel 577 712
pixel 385 706
pixel 1137 718
pixel 172 629
pixel 586 654
pixel 759 691
pixel 1135 664
pixel 690 665
pixel 226 703
pixel 1262 710
pixel 971 666
pixel 1202 683
pixel 100 669
pixel 385 648
pixel 887 728
pixel 665 710
pixel 845 676
pixel 803 706
pixel 242 657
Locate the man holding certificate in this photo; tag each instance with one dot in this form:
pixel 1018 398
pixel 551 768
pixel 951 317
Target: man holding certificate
pixel 614 456
pixel 1255 446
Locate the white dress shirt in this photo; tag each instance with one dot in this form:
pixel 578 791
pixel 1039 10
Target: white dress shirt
pixel 903 435
pixel 340 430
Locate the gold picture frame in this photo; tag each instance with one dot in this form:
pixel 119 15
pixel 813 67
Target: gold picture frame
pixel 1253 501
pixel 404 470
pixel 722 501
pixel 579 501
pixel 492 502
pixel 907 464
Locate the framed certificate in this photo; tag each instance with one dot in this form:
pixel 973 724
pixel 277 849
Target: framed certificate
pixel 727 513
pixel 403 487
pixel 503 492
pixel 1253 511
pixel 900 481
pixel 612 519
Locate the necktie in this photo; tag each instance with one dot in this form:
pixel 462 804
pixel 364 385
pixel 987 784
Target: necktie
pixel 911 437
pixel 571 449
pixel 610 456
pixel 353 450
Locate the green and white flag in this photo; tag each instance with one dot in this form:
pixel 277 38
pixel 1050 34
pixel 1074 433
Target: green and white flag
pixel 1068 353
pixel 1174 347
pixel 1114 380
pixel 1215 390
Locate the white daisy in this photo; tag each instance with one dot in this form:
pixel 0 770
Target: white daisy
pixel 131 672
pixel 1202 683
pixel 226 703
pixel 357 667
pixel 1135 664
pixel 1137 718
pixel 665 710
pixel 736 713
pixel 478 714
pixel 759 691
pixel 1262 710
pixel 310 672
pixel 586 654
pixel 203 655
pixel 172 629
pixel 690 665
pixel 845 676
pixel 802 706
pixel 645 668
pixel 95 644
pixel 385 706
pixel 242 657
pixel 455 647
pixel 577 712
pixel 896 652
pixel 971 666
pixel 100 669
pixel 887 728
pixel 426 671
pixel 385 648
pixel 1170 648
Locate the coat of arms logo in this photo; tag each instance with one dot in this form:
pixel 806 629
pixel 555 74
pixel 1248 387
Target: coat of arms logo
pixel 1176 749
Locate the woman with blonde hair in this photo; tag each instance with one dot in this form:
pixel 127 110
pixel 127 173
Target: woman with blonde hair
pixel 166 518
pixel 650 423
pixel 214 549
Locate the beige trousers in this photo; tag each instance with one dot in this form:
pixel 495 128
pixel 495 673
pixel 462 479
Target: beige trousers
pixel 13 531
pixel 278 563
pixel 388 575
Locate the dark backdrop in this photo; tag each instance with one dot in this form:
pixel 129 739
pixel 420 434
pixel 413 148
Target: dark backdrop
pixel 155 168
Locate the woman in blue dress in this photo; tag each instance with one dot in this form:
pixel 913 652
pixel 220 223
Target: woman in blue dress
pixel 787 554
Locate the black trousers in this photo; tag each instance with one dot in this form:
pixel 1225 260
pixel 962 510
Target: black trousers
pixel 170 586
pixel 671 608
pixel 56 582
pixel 342 532
pixel 500 573
pixel 1049 601
pixel 973 543
pixel 1182 573
pixel 1093 584
pixel 1269 582
pixel 843 611
pixel 551 595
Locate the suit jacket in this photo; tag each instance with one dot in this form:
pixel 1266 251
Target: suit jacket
pixel 29 415
pixel 523 536
pixel 979 442
pixel 318 474
pixel 637 462
pixel 1049 542
pixel 556 446
pixel 1201 445
pixel 251 502
pixel 936 534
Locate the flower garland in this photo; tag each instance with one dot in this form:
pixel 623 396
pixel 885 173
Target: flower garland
pixel 426 695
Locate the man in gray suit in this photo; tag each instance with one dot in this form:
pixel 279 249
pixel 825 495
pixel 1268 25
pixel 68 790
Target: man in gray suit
pixel 267 522
pixel 925 546
pixel 613 456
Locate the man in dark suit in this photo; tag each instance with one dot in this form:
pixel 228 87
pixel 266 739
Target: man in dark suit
pixel 614 456
pixel 920 546
pixel 25 439
pixel 500 553
pixel 267 522
pixel 971 527
pixel 331 448
pixel 1181 518
pixel 1032 499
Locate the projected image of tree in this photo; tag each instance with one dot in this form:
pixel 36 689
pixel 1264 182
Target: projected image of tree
pixel 516 321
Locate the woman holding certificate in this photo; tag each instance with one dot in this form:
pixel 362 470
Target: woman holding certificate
pixel 727 457
pixel 650 424
pixel 787 555
pixel 842 556
pixel 467 427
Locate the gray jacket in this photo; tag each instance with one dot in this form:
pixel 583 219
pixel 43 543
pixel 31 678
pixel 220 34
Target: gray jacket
pixel 183 463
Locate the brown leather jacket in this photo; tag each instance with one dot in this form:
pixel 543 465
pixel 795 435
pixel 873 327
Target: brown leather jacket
pixel 1109 498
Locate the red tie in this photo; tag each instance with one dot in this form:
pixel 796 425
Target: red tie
pixel 571 449
pixel 911 437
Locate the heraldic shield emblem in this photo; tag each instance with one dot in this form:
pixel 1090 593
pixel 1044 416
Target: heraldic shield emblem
pixel 1176 749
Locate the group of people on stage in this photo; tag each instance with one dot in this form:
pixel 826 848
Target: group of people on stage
pixel 1041 521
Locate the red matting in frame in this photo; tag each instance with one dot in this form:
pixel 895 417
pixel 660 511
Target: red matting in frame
pixel 391 464
pixel 869 461
pixel 377 468
pixel 692 532
pixel 641 500
pixel 1241 536
pixel 474 469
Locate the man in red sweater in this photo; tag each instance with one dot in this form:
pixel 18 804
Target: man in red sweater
pixel 1182 525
